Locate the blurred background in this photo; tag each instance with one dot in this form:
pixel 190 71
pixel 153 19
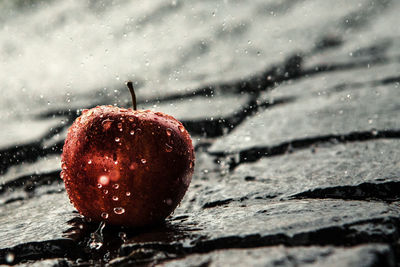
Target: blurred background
pixel 68 55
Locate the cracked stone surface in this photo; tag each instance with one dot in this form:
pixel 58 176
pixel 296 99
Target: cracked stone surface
pixel 293 108
pixel 281 256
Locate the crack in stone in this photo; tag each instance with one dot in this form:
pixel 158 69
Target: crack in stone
pixel 386 191
pixel 255 153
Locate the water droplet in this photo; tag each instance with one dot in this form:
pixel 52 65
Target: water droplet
pixel 106 124
pixel 374 132
pixel 132 166
pixel 191 164
pixel 168 131
pixel 117 139
pixel 10 257
pixel 131 119
pixel 103 180
pixel 115 198
pixel 104 215
pixel 169 201
pixel 122 235
pixel 105 191
pixel 181 128
pixel 119 210
pixel 90 161
pixel 143 161
pixel 116 186
pixel 132 132
pixel 63 166
pixel 115 162
pixel 138 131
pixel 168 148
pixel 99 186
pixel 128 194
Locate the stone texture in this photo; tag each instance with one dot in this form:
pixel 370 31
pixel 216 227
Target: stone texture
pixel 343 113
pixel 371 255
pixel 40 220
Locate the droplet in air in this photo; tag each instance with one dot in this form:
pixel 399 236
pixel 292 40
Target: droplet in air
pixel 168 148
pixel 104 215
pixel 115 198
pixel 122 235
pixel 10 257
pixel 169 201
pixel 168 131
pixel 119 210
pixel 143 161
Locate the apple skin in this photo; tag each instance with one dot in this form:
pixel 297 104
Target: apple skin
pixel 126 167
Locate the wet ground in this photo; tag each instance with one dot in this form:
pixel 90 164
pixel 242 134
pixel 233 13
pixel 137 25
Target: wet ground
pixel 294 111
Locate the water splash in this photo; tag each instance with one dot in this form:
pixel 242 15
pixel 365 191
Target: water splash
pixel 96 239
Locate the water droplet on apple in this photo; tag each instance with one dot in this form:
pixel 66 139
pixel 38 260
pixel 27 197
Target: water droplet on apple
pixel 105 191
pixel 131 119
pixel 116 162
pixel 132 166
pixel 143 161
pixel 181 128
pixel 117 139
pixel 103 180
pixel 119 210
pixel 116 186
pixel 63 166
pixel 106 124
pixel 138 131
pixel 128 194
pixel 132 132
pixel 104 215
pixel 115 198
pixel 99 186
pixel 168 131
pixel 191 164
pixel 168 148
pixel 90 161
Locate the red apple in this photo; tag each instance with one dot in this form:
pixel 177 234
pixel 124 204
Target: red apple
pixel 126 166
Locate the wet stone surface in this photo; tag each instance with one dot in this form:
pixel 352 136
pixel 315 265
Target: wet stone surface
pixel 297 143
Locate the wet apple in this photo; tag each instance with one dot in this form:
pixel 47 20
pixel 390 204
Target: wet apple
pixel 125 166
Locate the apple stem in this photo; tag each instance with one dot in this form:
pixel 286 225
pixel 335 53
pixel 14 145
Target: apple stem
pixel 130 86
